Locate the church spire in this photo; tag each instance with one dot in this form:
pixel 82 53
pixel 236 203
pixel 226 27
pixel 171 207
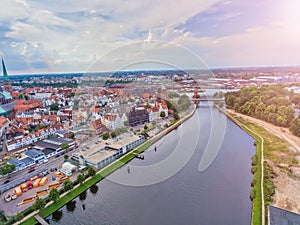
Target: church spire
pixel 4 72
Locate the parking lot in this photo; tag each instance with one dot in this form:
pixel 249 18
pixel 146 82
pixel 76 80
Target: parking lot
pixel 13 207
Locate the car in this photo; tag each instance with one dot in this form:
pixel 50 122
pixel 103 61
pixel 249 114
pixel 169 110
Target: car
pixel 56 156
pixel 45 160
pixel 31 170
pixel 6 182
pixel 31 167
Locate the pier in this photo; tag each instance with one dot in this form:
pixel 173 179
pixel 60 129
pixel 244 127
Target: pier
pixel 40 220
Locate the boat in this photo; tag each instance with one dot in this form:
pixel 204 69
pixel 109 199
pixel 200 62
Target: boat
pixel 139 156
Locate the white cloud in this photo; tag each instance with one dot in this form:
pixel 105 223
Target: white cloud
pixel 94 30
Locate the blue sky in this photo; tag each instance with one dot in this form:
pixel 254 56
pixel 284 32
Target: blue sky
pixel 72 35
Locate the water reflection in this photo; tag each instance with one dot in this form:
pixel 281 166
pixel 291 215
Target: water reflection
pixel 94 189
pixel 83 196
pixel 57 215
pixel 71 206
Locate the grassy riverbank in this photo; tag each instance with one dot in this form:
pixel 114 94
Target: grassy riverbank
pixel 103 173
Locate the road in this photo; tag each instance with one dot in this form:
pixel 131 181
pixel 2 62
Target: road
pixel 52 163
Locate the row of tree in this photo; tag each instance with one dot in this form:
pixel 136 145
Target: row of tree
pixel 272 103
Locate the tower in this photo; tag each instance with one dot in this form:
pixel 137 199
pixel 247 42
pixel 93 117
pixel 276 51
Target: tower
pixel 6 83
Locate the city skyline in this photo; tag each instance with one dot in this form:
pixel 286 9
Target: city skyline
pixel 68 37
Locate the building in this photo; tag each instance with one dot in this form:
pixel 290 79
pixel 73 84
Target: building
pixel 278 216
pixel 6 84
pixel 35 155
pixel 138 116
pixel 68 169
pixel 111 122
pixel 100 154
pixel 18 163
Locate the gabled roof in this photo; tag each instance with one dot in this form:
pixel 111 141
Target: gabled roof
pixel 32 153
pixel 14 161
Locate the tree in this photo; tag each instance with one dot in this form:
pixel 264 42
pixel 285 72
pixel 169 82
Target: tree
pixel 145 127
pixel 66 157
pixel 53 194
pixel 91 171
pixel 176 116
pixel 281 121
pixel 65 146
pixel 39 203
pixel 113 134
pixel 295 127
pixel 162 114
pixel 7 168
pixel 54 107
pixel 19 216
pixel 80 178
pixel 68 185
pixel 105 136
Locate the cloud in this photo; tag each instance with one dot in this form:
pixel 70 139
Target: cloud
pixel 59 36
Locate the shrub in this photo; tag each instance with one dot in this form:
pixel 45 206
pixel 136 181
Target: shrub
pixel 253 169
pixel 254 160
pixel 253 182
pixel 252 194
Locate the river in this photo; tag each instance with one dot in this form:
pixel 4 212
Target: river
pixel 214 194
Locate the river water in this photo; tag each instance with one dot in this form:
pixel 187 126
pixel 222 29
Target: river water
pixel 210 185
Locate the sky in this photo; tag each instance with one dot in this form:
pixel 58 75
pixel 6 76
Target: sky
pixel 77 36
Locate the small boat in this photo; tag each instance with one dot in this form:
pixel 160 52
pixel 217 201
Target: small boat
pixel 139 156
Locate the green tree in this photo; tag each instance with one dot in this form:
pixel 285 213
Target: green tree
pixel 53 194
pixel 7 168
pixel 176 116
pixel 105 136
pixel 162 114
pixel 80 178
pixel 91 171
pixel 272 118
pixel 54 107
pixel 39 203
pixel 66 157
pixel 18 217
pixel 295 99
pixel 68 185
pixel 260 110
pixel 295 127
pixel 281 121
pixel 145 127
pixel 65 146
pixel 113 134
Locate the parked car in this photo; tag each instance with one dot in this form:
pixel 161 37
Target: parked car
pixel 31 170
pixel 6 181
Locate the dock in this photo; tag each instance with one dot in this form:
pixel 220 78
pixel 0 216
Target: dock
pixel 40 220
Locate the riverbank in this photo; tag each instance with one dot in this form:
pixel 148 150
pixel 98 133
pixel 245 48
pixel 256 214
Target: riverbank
pixel 281 164
pixel 258 206
pixel 104 172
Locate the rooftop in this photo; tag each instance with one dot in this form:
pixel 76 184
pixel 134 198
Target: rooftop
pixel 278 216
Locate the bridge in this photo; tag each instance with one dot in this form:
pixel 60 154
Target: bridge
pixel 206 99
pixel 209 99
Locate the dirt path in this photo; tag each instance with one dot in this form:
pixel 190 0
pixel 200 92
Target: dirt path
pixel 278 131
